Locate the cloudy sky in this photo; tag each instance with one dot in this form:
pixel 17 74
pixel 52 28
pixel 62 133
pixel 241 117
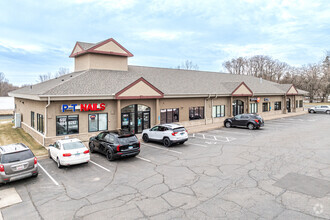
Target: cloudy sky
pixel 36 37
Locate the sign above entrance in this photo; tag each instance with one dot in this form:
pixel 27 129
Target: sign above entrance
pixel 255 99
pixel 83 107
pixel 266 99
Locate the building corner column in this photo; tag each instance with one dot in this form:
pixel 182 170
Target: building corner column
pixel 157 113
pixel 294 104
pixel 118 115
pixel 248 104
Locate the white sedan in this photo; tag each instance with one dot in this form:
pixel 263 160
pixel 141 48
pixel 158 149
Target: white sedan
pixel 68 152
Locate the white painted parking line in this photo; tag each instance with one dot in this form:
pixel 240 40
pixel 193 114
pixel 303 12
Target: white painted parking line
pixel 193 134
pixel 231 132
pixel 198 145
pixel 141 158
pixel 0 216
pixel 174 151
pixel 227 139
pixel 203 136
pixel 215 138
pixel 100 166
pixel 50 177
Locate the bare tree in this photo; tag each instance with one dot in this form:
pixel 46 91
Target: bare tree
pixel 5 86
pixel 62 71
pixel 44 77
pixel 188 65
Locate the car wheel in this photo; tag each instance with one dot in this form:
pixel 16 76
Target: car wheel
pixel 145 138
pixel 228 124
pixel 35 175
pixel 49 154
pixel 328 112
pixel 250 126
pixel 181 142
pixel 91 147
pixel 311 111
pixel 109 155
pixel 59 163
pixel 167 142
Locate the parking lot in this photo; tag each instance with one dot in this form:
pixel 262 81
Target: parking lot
pixel 281 171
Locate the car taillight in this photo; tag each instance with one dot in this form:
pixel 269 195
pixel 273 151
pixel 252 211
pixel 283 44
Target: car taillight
pixel 2 168
pixel 187 131
pixel 118 147
pixel 67 155
pixel 174 133
pixel 256 120
pixel 86 151
pixel 35 161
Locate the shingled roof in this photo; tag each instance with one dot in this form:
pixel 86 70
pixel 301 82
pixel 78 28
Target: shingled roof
pixel 172 82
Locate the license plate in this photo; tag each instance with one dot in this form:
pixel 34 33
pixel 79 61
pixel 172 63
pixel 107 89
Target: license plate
pixel 77 154
pixel 130 147
pixel 182 133
pixel 21 167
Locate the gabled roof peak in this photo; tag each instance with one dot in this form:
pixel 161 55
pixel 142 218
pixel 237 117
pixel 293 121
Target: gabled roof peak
pixel 108 47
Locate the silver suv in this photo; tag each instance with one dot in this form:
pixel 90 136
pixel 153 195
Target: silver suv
pixel 320 109
pixel 17 162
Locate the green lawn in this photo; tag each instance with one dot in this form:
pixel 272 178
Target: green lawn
pixel 10 135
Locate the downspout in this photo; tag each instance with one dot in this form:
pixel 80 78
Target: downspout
pixel 48 104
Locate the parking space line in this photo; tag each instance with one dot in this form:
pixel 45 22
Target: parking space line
pixel 227 139
pixel 141 158
pixel 100 166
pixel 198 145
pixel 50 177
pixel 174 151
pixel 231 132
pixel 215 138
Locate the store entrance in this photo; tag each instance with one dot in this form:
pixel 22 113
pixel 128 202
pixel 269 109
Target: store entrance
pixel 238 107
pixel 135 118
pixel 288 105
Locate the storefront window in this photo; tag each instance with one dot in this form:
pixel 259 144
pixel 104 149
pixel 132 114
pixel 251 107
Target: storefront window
pixel 253 108
pixel 300 103
pixel 277 106
pixel 218 111
pixel 32 119
pixel 97 122
pixel 265 107
pixel 67 124
pixel 196 113
pixel 40 123
pixel 169 115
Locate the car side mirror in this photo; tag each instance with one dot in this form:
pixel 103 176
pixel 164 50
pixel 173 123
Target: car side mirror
pixel 51 145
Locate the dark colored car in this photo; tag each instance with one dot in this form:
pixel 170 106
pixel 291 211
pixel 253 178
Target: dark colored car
pixel 17 162
pixel 115 145
pixel 251 121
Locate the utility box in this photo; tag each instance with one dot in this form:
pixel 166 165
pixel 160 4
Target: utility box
pixel 18 120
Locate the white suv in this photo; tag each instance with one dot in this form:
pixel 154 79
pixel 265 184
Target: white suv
pixel 168 134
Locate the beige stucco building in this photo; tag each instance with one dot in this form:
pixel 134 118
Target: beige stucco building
pixel 105 93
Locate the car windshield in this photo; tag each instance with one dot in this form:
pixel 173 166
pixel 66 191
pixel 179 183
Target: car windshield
pixel 17 156
pixel 127 140
pixel 180 129
pixel 73 145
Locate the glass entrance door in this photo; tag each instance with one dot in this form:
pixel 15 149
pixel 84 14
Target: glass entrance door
pixel 288 105
pixel 238 107
pixel 135 118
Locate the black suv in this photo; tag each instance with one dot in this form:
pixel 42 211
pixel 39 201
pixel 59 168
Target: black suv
pixel 250 121
pixel 115 144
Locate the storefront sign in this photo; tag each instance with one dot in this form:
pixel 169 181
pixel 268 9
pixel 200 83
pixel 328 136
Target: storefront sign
pixel 266 99
pixel 255 99
pixel 83 107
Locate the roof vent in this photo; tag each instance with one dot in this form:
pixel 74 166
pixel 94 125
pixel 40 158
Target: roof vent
pixel 260 80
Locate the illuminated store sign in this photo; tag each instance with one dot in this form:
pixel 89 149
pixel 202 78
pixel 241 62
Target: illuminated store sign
pixel 255 99
pixel 83 107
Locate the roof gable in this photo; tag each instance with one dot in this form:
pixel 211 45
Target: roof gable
pixel 109 46
pixel 242 90
pixel 140 89
pixel 292 91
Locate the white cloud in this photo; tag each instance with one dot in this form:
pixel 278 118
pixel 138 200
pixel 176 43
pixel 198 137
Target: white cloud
pixel 21 47
pixel 163 35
